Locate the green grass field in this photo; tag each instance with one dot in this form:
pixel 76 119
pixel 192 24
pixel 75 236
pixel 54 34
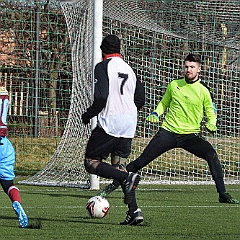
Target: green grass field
pixel 170 212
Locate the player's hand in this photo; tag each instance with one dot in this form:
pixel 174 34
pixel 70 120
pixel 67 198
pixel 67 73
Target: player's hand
pixel 86 118
pixel 153 117
pixel 211 128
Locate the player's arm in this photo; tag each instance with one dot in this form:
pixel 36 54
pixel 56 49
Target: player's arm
pixel 161 107
pixel 4 104
pixel 210 108
pixel 101 91
pixel 139 95
pixel 210 111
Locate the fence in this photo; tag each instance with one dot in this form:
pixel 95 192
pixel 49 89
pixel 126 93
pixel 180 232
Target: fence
pixel 35 66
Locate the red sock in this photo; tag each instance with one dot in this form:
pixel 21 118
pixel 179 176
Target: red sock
pixel 14 194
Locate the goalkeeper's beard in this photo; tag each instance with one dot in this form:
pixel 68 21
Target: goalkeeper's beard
pixel 191 79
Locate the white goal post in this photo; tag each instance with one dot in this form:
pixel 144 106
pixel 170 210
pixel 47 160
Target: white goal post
pixel 155 35
pixel 97 57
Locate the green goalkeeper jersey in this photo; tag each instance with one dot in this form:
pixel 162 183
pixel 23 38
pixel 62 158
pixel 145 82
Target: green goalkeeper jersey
pixel 186 104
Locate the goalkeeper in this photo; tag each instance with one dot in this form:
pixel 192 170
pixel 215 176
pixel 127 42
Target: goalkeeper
pixel 186 100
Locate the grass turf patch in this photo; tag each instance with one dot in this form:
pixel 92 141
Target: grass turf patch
pixel 170 212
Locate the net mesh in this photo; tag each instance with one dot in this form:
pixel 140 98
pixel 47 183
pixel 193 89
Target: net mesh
pixel 155 36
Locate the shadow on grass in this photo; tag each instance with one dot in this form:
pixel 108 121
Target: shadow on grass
pixel 59 195
pixel 34 223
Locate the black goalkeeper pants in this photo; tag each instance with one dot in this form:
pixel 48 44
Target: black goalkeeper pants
pixel 193 143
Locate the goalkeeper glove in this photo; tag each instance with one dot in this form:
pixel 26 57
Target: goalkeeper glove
pixel 153 117
pixel 211 127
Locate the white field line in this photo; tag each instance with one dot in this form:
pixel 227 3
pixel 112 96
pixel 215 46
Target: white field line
pixel 124 206
pixel 138 189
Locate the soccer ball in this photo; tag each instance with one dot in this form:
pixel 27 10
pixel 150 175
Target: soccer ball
pixel 97 207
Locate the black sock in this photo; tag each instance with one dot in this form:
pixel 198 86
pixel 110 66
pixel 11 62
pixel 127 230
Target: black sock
pixel 116 183
pixel 106 170
pixel 220 185
pixel 133 206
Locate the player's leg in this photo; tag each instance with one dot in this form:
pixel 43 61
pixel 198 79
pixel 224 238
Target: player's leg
pixel 197 145
pixel 119 163
pixel 99 146
pixel 122 150
pixel 129 181
pixel 160 143
pixel 13 193
pixel 104 170
pixel 134 214
pixel 7 157
pixel 109 188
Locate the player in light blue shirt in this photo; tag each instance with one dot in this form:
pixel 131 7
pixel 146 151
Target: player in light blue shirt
pixel 7 161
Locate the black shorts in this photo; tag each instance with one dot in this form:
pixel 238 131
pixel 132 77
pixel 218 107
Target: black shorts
pixel 101 144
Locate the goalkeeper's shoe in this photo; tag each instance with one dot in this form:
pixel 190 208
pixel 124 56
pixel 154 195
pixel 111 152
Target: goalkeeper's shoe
pixel 107 190
pixel 22 216
pixel 130 184
pixel 133 218
pixel 227 198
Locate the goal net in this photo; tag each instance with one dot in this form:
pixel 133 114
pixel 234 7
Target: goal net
pixel 155 37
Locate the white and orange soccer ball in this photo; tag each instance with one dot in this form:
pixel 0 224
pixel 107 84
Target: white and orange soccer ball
pixel 97 207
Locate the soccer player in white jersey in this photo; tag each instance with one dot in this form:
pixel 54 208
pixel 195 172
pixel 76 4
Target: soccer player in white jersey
pixel 186 99
pixel 7 161
pixel 118 94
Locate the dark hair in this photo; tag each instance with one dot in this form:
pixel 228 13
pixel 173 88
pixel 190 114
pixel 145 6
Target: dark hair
pixel 191 57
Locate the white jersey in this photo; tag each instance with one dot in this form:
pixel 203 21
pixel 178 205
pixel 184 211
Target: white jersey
pixel 119 117
pixel 118 94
